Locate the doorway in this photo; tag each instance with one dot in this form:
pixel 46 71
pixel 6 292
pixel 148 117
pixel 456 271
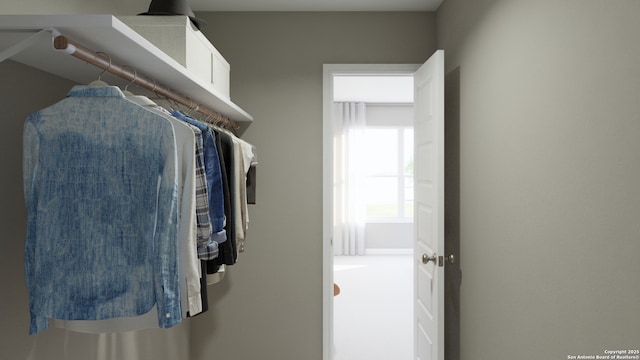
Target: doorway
pixel 350 318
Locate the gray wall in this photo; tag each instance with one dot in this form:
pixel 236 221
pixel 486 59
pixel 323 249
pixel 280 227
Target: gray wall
pixel 270 306
pixel 546 112
pixel 388 236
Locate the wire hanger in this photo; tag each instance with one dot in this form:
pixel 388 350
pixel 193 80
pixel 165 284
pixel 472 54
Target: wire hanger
pixel 99 81
pixel 194 107
pixel 126 91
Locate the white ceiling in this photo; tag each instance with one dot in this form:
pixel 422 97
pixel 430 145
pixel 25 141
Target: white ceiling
pixel 373 89
pixel 314 5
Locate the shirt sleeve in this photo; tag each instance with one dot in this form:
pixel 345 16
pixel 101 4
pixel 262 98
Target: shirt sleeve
pixel 165 240
pixel 30 151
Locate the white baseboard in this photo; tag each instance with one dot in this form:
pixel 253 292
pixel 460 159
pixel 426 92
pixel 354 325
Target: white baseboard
pixel 381 251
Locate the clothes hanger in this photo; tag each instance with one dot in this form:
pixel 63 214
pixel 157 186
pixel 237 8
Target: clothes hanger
pixel 192 107
pixel 126 91
pixel 99 81
pixel 169 104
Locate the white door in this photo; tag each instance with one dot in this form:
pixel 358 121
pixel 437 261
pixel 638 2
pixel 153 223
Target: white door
pixel 429 209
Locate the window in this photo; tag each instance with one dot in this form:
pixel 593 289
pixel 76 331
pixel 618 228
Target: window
pixel 389 173
pixel 388 143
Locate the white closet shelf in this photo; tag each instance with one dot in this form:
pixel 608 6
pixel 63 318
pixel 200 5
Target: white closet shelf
pixel 107 34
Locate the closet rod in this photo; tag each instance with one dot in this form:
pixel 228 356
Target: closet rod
pixel 75 49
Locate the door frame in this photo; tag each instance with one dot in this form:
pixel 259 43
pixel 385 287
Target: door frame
pixel 328 72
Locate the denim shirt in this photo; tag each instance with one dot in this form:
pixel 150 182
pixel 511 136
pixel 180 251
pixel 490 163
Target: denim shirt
pixel 214 176
pixel 100 189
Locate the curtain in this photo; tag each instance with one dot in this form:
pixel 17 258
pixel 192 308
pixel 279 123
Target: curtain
pixel 349 206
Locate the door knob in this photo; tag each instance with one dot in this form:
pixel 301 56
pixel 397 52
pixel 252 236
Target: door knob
pixel 426 258
pixel 452 259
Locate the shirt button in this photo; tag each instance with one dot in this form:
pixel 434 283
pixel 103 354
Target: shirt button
pixel 167 315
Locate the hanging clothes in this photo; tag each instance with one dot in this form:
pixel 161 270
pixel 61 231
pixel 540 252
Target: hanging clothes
pixel 192 200
pixel 228 250
pixel 237 156
pixel 132 211
pixel 100 186
pixel 214 177
pixel 244 156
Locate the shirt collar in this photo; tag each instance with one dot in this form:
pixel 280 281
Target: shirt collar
pixel 95 91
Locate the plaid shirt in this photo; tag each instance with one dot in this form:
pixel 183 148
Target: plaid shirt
pixel 207 248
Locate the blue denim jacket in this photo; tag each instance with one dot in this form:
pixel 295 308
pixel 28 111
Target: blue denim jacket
pixel 214 176
pixel 100 189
